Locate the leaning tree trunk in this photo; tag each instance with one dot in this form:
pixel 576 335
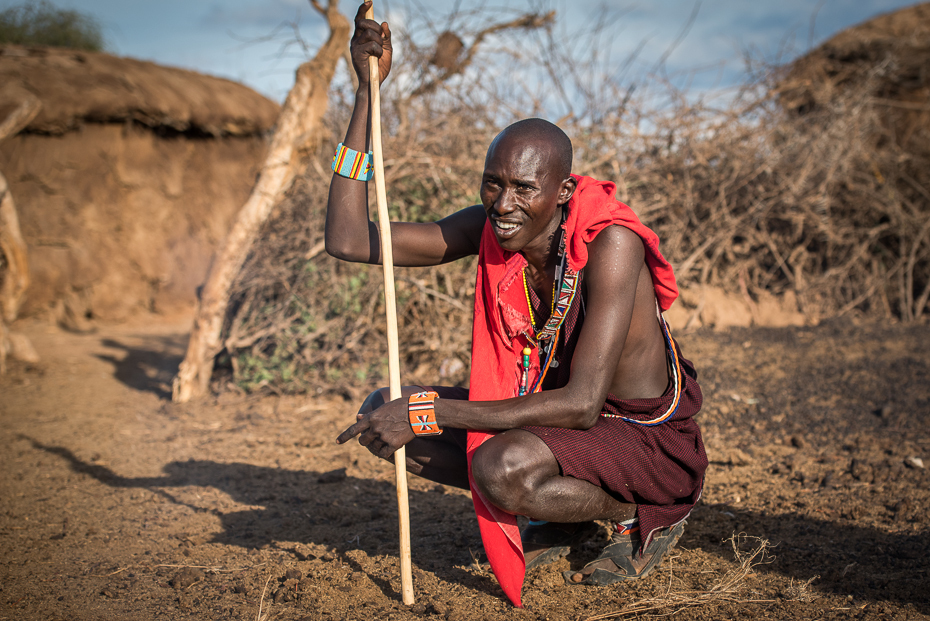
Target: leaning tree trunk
pixel 14 266
pixel 297 130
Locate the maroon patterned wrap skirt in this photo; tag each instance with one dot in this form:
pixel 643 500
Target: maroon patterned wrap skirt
pixel 660 468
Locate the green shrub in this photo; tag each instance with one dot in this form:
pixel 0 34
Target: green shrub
pixel 41 23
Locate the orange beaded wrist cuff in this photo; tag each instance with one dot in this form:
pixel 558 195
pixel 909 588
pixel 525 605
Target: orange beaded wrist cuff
pixel 422 413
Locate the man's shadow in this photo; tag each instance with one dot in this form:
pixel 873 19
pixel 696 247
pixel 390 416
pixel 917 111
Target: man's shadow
pixel 331 510
pixel 348 513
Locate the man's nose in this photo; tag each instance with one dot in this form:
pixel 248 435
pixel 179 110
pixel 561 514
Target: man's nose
pixel 505 202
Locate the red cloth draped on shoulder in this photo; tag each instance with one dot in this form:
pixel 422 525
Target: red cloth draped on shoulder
pixel 499 332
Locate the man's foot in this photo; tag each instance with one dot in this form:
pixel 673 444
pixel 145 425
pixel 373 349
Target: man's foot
pixel 547 542
pixel 623 560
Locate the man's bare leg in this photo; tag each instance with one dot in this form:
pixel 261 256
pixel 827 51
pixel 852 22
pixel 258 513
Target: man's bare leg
pixel 439 459
pixel 517 472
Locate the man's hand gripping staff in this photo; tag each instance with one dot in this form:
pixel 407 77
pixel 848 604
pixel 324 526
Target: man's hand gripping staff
pixel 370 39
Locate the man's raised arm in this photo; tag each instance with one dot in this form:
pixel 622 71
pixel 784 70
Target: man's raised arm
pixel 350 233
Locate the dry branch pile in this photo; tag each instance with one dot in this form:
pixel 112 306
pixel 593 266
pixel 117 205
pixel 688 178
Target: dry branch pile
pixel 830 207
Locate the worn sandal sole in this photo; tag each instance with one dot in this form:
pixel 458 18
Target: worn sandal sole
pixel 659 547
pixel 564 547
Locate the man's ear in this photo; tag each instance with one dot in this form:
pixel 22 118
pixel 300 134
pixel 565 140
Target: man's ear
pixel 567 190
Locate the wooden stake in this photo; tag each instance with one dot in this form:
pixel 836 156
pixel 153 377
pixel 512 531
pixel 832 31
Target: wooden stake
pixel 297 130
pixel 387 258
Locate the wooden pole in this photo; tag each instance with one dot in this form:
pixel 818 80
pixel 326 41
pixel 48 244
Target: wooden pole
pixel 390 303
pixel 297 130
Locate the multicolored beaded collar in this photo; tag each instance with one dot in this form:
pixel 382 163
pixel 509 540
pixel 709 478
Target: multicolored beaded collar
pixel 563 294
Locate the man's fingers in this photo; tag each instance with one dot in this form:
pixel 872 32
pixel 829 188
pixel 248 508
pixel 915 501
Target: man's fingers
pixel 360 14
pixel 373 48
pixel 362 23
pixel 368 439
pixel 352 431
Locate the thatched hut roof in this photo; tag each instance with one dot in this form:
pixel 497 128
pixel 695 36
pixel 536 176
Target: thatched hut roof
pixel 75 87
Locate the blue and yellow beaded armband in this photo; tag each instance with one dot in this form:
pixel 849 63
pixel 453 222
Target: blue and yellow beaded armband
pixel 352 164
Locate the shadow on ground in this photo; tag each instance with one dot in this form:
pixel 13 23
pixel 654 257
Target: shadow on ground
pixel 148 369
pixel 326 509
pixel 348 513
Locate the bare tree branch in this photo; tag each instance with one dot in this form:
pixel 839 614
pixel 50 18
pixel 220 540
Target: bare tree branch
pixel 528 22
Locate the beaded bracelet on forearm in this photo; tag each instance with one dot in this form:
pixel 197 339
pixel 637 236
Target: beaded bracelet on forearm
pixel 352 164
pixel 422 413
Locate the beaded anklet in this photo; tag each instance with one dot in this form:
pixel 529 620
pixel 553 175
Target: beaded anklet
pixel 627 527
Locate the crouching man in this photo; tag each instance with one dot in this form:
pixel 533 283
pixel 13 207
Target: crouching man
pixel 580 405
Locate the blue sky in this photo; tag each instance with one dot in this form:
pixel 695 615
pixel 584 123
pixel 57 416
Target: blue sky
pixel 224 38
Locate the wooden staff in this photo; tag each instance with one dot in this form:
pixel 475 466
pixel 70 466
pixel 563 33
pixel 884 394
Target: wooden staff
pixel 390 304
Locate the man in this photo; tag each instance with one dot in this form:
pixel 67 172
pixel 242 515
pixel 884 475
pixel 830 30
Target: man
pixel 580 406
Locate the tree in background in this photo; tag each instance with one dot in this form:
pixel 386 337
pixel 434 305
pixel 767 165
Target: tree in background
pixel 42 23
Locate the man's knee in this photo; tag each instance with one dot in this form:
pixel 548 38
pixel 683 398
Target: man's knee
pixel 509 468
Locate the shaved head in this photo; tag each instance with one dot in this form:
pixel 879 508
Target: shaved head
pixel 543 135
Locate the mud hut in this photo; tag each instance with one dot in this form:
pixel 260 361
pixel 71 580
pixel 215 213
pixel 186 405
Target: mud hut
pixel 126 179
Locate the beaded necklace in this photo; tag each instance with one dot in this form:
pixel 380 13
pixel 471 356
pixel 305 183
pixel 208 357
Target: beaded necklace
pixel 546 346
pixel 563 293
pixel 529 304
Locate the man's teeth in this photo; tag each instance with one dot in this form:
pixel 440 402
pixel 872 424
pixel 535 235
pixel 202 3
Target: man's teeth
pixel 506 226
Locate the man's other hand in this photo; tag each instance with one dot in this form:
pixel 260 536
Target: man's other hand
pixel 370 39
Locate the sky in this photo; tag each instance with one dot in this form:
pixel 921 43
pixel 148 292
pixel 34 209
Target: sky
pixel 247 40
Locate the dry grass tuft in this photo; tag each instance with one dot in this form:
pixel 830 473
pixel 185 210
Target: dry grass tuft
pixel 729 588
pixel 800 591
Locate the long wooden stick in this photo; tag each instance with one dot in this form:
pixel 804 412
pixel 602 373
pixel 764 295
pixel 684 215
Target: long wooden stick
pixel 387 258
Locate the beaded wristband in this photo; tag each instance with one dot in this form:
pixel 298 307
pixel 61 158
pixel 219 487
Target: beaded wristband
pixel 352 164
pixel 422 413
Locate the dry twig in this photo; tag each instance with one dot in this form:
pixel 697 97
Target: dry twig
pixel 261 601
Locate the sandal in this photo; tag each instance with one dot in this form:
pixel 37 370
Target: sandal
pixel 555 539
pixel 631 563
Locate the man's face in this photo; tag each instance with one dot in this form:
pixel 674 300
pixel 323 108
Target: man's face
pixel 520 191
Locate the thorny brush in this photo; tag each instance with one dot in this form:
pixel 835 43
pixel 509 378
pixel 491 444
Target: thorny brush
pixel 826 202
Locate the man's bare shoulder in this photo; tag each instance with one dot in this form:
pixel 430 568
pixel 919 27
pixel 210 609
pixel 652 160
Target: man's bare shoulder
pixel 616 246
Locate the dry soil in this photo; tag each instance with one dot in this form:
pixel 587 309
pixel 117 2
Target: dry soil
pixel 117 504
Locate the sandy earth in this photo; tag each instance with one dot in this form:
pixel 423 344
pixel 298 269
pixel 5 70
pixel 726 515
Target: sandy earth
pixel 117 504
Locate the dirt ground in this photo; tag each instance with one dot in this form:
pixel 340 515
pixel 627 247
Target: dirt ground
pixel 117 504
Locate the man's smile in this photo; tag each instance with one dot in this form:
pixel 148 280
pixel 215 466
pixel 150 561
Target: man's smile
pixel 506 228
